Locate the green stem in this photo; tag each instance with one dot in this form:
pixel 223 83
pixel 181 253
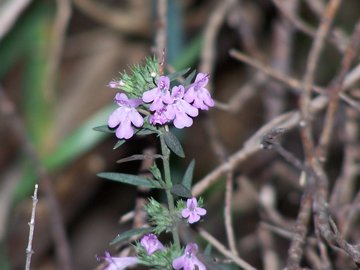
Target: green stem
pixel 166 156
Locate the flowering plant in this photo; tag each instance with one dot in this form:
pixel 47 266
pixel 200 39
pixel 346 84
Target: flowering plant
pixel 148 103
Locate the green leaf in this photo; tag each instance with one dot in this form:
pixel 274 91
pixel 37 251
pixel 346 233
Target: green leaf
pixel 181 190
pixel 138 157
pixel 104 128
pixel 118 144
pixel 188 176
pixel 129 179
pixel 189 78
pixel 143 132
pixel 173 143
pixel 128 234
pixel 178 74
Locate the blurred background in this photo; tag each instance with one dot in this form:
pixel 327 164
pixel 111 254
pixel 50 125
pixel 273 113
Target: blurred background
pixel 56 58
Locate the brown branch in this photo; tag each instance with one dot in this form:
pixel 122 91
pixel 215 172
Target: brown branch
pixel 296 249
pixel 252 145
pixel 334 91
pixel 308 80
pixel 216 244
pixel 208 52
pixel 160 39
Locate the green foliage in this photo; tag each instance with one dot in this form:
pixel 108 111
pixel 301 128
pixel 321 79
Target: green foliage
pixel 161 259
pixel 188 176
pixel 155 172
pixel 142 78
pixel 159 217
pixel 128 234
pixel 130 179
pixel 181 191
pixel 173 143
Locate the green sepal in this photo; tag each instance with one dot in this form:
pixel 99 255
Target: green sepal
pixel 189 78
pixel 118 144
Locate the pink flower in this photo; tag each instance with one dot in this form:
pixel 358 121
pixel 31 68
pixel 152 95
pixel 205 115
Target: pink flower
pixel 189 261
pixel 180 109
pixel 192 212
pixel 151 243
pixel 125 115
pixel 160 95
pixel 159 117
pixel 198 95
pixel 119 263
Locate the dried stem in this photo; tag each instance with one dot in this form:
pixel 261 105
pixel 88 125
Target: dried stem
pixel 29 250
pixel 216 244
pixel 334 92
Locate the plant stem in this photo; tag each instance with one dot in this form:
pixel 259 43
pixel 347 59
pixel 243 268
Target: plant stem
pixel 166 156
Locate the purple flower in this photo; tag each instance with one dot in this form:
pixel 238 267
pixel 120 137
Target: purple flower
pixel 119 263
pixel 125 115
pixel 116 84
pixel 159 117
pixel 160 95
pixel 192 212
pixel 189 261
pixel 151 243
pixel 180 109
pixel 198 94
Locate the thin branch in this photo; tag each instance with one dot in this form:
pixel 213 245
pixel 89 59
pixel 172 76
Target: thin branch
pixel 252 145
pixel 296 249
pixel 160 39
pixel 208 55
pixel 308 81
pixel 29 250
pixel 220 247
pixel 334 92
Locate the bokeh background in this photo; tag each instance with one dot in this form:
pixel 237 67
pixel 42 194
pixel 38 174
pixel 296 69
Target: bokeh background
pixel 55 62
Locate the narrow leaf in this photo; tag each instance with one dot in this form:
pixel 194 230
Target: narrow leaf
pixel 128 234
pixel 173 143
pixel 104 128
pixel 118 144
pixel 181 190
pixel 138 157
pixel 144 132
pixel 129 179
pixel 178 74
pixel 188 176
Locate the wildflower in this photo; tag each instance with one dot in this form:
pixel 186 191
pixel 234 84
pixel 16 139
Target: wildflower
pixel 159 117
pixel 151 243
pixel 119 263
pixel 116 84
pixel 192 212
pixel 198 94
pixel 160 95
pixel 125 115
pixel 180 109
pixel 189 261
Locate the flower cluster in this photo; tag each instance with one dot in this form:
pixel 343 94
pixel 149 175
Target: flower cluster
pixel 165 104
pixel 187 261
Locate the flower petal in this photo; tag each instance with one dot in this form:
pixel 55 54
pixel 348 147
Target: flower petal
pixel 150 95
pixel 179 262
pixel 193 218
pixel 201 211
pixel 135 118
